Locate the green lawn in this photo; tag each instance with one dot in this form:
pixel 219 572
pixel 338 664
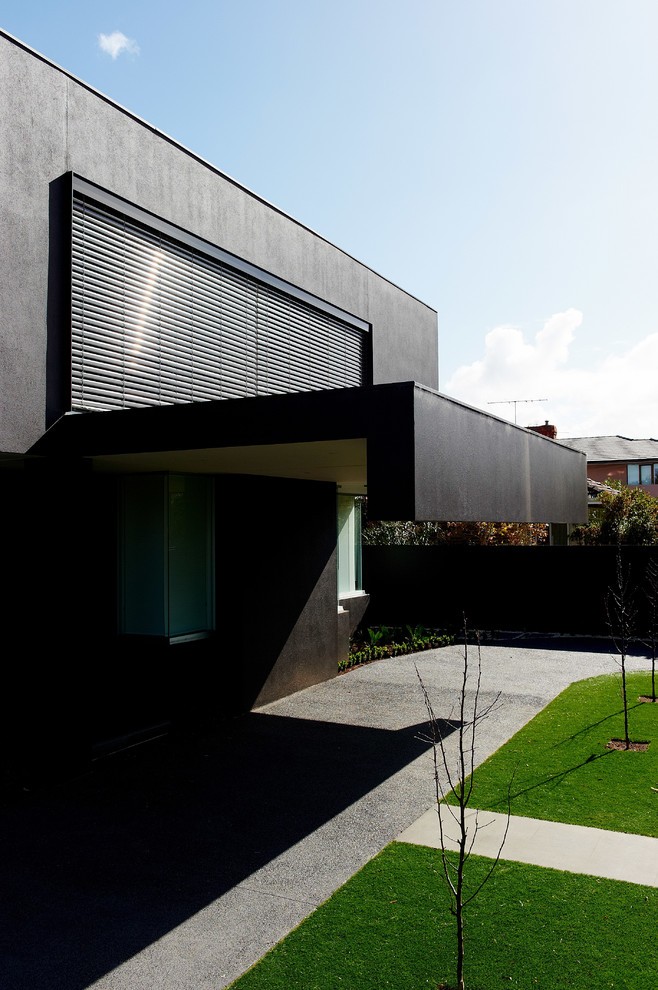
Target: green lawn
pixel 561 770
pixel 389 926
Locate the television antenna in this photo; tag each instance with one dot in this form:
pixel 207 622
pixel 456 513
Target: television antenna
pixel 513 402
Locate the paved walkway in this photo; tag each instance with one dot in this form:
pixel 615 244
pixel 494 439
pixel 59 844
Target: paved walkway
pixel 176 866
pixel 574 848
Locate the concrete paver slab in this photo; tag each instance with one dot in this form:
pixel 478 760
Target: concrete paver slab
pixel 576 848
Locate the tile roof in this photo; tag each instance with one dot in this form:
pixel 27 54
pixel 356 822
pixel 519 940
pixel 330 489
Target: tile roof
pixel 614 448
pixel 595 488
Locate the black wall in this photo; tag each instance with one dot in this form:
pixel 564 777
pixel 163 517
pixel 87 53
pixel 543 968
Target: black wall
pixel 276 585
pixel 72 688
pixel 532 589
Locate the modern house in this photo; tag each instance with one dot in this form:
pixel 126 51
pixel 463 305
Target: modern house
pixel 194 387
pixel 632 462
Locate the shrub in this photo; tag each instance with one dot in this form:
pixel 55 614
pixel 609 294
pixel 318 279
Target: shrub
pixel 389 641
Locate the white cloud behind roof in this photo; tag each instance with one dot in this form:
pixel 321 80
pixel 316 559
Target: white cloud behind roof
pixel 116 43
pixel 615 395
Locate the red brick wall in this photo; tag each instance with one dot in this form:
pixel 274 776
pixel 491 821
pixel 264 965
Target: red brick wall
pixel 601 472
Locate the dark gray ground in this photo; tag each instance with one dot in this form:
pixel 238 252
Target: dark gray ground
pixel 178 864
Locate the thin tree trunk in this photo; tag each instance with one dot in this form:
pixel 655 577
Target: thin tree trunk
pixel 622 614
pixel 459 895
pixel 460 782
pixel 625 699
pixel 460 949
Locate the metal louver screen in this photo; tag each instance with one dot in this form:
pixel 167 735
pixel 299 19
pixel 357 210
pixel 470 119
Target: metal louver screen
pixel 154 322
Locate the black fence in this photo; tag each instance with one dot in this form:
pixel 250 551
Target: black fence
pixel 530 589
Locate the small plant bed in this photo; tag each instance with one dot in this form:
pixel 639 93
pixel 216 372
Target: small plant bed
pixel 635 747
pixel 390 926
pixel 377 642
pixel 564 768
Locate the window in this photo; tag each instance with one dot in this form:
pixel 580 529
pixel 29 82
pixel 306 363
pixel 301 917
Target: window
pixel 349 545
pixel 642 474
pixel 166 556
pixel 157 320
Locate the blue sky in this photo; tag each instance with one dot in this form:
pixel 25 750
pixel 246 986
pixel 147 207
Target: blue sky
pixel 496 158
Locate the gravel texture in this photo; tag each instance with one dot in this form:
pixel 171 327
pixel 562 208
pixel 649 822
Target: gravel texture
pixel 179 864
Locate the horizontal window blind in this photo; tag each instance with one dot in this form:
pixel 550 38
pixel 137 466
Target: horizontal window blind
pixel 154 322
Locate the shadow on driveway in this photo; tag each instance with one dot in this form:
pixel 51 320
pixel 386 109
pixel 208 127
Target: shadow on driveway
pixel 97 869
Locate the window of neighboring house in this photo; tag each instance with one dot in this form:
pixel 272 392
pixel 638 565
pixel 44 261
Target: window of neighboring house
pixel 166 556
pixel 349 545
pixel 642 474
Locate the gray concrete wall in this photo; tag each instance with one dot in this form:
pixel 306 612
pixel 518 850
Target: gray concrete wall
pixel 52 124
pixel 476 466
pixel 431 457
pixel 276 584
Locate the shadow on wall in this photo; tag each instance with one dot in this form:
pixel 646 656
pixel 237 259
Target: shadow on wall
pixel 97 870
pixel 71 683
pixel 276 585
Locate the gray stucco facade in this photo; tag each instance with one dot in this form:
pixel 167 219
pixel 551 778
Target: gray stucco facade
pixel 273 462
pixel 51 125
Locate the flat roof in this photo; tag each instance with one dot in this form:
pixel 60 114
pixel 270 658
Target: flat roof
pixel 202 161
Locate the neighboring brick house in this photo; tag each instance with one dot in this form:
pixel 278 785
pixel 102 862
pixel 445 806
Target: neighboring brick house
pixel 633 462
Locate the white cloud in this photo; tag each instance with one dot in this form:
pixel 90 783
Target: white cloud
pixel 616 395
pixel 116 43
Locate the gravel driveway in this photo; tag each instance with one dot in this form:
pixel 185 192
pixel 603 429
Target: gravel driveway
pixel 179 864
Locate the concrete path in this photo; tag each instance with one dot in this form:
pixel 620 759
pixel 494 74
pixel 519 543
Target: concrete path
pixel 574 848
pixel 177 865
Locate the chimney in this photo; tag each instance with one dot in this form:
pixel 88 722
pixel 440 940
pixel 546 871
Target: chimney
pixel 546 430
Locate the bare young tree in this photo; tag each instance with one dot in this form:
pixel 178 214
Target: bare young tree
pixel 456 775
pixel 651 592
pixel 621 612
